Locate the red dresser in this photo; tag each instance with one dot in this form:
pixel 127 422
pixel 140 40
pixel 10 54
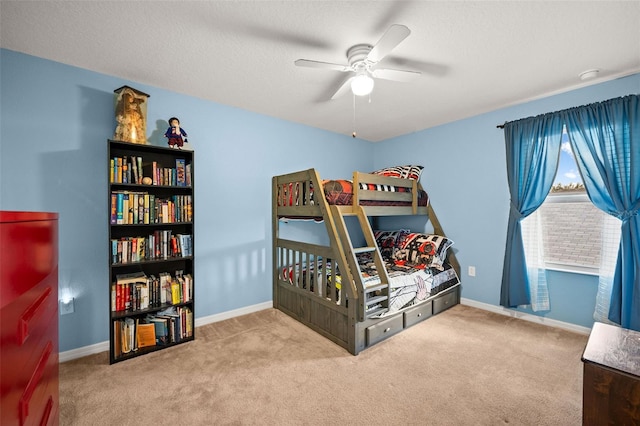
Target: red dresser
pixel 29 318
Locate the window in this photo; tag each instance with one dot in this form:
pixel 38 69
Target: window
pixel 568 233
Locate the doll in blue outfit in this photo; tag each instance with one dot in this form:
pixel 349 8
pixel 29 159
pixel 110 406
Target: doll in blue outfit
pixel 175 134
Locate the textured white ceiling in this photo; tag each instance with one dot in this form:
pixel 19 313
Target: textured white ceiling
pixel 475 56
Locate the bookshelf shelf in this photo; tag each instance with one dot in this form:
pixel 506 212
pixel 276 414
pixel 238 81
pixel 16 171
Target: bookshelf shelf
pixel 149 262
pixel 151 241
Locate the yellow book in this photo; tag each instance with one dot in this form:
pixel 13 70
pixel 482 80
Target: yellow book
pixel 118 170
pixel 146 208
pixel 175 292
pixel 142 252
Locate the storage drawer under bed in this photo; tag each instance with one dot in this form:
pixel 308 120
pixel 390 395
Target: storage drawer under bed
pixel 383 329
pixel 418 313
pixel 445 301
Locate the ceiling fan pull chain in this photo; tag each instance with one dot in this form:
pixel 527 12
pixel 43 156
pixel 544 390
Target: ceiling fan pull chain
pixel 354 116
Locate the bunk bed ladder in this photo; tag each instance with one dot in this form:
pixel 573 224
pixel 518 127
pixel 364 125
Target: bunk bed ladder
pixel 373 298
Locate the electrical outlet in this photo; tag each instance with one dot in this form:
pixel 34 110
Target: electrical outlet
pixel 472 271
pixel 66 306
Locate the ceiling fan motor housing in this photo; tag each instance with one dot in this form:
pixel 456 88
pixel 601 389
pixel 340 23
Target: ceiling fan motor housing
pixel 357 55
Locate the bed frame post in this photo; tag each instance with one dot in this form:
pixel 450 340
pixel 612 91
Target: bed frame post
pixel 274 239
pixel 437 229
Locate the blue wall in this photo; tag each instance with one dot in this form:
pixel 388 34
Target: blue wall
pixel 56 120
pixel 465 175
pixel 53 157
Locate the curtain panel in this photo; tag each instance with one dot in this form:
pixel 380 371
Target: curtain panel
pixel 533 151
pixel 606 140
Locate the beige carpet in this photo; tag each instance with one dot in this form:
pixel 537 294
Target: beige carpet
pixel 463 367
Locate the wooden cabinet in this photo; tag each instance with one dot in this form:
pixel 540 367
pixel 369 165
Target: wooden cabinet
pixel 151 240
pixel 29 318
pixel 611 382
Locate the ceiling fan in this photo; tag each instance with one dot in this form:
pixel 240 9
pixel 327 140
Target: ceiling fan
pixel 363 59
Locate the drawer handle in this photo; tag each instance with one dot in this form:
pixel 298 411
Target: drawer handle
pixel 30 313
pixel 419 315
pixel 387 329
pixel 25 399
pixel 47 411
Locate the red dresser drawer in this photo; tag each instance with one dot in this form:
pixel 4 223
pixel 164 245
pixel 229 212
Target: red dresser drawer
pixel 29 346
pixel 29 254
pixel 29 318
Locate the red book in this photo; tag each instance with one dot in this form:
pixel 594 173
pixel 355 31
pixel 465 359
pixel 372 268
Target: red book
pixel 127 296
pixel 119 301
pixel 174 246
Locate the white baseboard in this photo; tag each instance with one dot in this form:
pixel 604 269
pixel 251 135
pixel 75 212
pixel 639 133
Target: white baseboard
pixel 83 351
pixel 232 314
pixel 525 316
pixel 104 346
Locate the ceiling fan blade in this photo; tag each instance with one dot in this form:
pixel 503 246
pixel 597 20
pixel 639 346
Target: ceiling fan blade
pixel 324 65
pixel 395 75
pixel 394 35
pixel 346 86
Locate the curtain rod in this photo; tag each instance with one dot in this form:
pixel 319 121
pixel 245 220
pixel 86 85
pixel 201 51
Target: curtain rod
pixel 501 126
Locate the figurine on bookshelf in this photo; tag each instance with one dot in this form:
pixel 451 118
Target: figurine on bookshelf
pixel 131 115
pixel 175 134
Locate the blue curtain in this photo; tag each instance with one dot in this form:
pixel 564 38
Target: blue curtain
pixel 606 140
pixel 533 151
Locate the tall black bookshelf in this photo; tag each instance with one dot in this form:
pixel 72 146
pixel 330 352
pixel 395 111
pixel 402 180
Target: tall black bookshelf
pixel 151 241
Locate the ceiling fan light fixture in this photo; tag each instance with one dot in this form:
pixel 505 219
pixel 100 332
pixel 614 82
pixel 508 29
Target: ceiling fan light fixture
pixel 362 84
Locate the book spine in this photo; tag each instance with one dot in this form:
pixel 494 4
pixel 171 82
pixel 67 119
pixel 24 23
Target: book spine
pixel 120 208
pixel 140 173
pixel 134 166
pixel 134 208
pixel 125 209
pixel 152 208
pixel 125 170
pixel 146 209
pixel 154 170
pixel 118 176
pixel 113 219
pixel 114 251
pixel 180 172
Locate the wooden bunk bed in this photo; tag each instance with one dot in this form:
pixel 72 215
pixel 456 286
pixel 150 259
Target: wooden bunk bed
pixel 325 286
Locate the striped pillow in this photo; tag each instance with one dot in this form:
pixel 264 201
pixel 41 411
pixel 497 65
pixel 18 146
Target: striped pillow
pixel 403 172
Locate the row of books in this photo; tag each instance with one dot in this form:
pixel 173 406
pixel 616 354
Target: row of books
pixel 137 291
pixel 169 326
pixel 134 208
pixel 160 245
pixel 133 169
